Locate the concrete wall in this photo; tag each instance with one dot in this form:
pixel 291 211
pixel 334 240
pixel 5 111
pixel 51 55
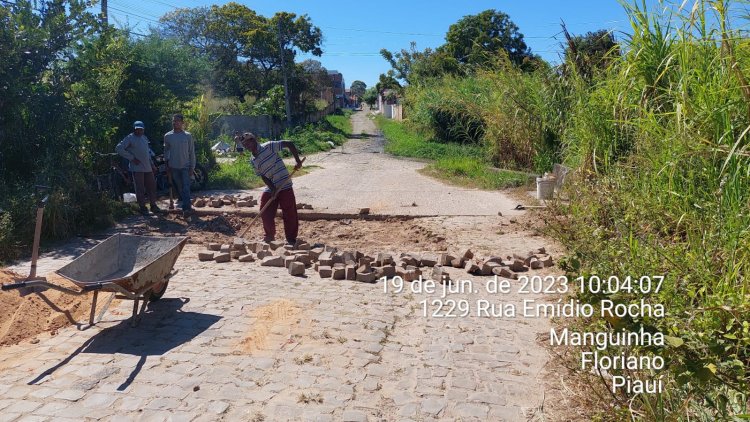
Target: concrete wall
pixel 262 126
pixel 387 110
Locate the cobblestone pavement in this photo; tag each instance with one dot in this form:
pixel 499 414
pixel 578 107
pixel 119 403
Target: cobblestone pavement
pixel 238 341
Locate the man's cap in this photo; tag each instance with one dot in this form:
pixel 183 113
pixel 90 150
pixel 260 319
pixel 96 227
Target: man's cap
pixel 138 125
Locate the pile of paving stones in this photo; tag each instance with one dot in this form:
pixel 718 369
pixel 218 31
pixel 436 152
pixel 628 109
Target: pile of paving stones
pixel 220 201
pixel 329 262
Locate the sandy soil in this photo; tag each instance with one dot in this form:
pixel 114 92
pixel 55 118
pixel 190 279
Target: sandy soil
pixel 23 318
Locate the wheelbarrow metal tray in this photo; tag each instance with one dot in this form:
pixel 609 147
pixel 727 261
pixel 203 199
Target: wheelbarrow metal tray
pixel 133 263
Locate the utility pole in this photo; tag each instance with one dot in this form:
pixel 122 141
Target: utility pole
pixel 286 84
pixel 105 19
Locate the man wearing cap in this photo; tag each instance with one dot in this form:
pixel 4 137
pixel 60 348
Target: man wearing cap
pixel 135 149
pixel 179 154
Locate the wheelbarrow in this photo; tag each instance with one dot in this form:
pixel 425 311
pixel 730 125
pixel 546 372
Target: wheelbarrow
pixel 131 267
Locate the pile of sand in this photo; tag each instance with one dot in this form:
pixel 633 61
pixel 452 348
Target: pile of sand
pixel 25 317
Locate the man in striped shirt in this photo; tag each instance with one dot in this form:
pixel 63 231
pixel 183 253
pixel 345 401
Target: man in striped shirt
pixel 269 166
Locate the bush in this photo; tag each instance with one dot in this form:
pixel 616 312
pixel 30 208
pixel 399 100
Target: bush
pixel 660 142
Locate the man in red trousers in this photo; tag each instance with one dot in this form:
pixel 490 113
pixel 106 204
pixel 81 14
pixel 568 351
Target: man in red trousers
pixel 268 165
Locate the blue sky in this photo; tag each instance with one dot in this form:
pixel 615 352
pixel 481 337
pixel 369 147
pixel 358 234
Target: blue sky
pixel 354 32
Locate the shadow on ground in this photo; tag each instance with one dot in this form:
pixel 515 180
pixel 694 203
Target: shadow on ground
pixel 162 328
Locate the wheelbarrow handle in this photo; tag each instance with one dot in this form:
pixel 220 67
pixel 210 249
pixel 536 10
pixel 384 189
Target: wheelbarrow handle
pixel 12 286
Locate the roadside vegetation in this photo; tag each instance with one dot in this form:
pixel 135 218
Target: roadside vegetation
pixel 463 165
pixel 71 88
pixel 327 134
pixel 654 126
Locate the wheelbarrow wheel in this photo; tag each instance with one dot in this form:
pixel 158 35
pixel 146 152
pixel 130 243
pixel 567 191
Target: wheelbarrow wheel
pixel 158 291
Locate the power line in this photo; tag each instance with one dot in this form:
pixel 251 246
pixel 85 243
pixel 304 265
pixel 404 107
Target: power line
pixel 133 14
pixel 142 13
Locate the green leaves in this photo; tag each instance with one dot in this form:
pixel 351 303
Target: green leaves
pixel 476 39
pixel 245 47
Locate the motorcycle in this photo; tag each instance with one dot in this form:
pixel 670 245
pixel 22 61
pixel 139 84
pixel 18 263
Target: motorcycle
pixel 119 180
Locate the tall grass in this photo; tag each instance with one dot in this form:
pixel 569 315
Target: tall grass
pixel 463 165
pixel 409 142
pixel 514 115
pixel 663 188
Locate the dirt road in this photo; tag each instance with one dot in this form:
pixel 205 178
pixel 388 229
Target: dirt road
pixel 238 341
pixel 359 175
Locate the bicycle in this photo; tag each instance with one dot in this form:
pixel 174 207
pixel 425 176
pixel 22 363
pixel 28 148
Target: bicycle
pixel 117 180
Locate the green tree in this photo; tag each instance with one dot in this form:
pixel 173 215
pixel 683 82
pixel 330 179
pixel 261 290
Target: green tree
pixel 310 81
pixel 387 81
pixel 591 52
pixel 244 46
pixel 414 66
pixel 358 88
pixel 37 40
pixel 371 96
pixel 477 39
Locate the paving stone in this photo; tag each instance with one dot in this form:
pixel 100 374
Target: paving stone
pixel 467 254
pixel 366 277
pixel 546 260
pixel 433 406
pixel 70 394
pixel 205 256
pixel 163 403
pixel 383 259
pixel 325 271
pixel 469 410
pixel 445 259
pixel 223 257
pixel 213 246
pixel 277 244
pixel 518 266
pixel 32 418
pixel 247 258
pixel 487 397
pixel 339 273
pixel 315 253
pixel 504 272
pixel 129 404
pixel 463 381
pixel 272 261
pixel 297 269
pixel 350 272
pixel 353 416
pixel 23 407
pixel 99 400
pixel 473 268
pixel 288 260
pixel 408 410
pixel 428 260
pixel 535 264
pixel 439 275
pixel 487 268
pixel 316 416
